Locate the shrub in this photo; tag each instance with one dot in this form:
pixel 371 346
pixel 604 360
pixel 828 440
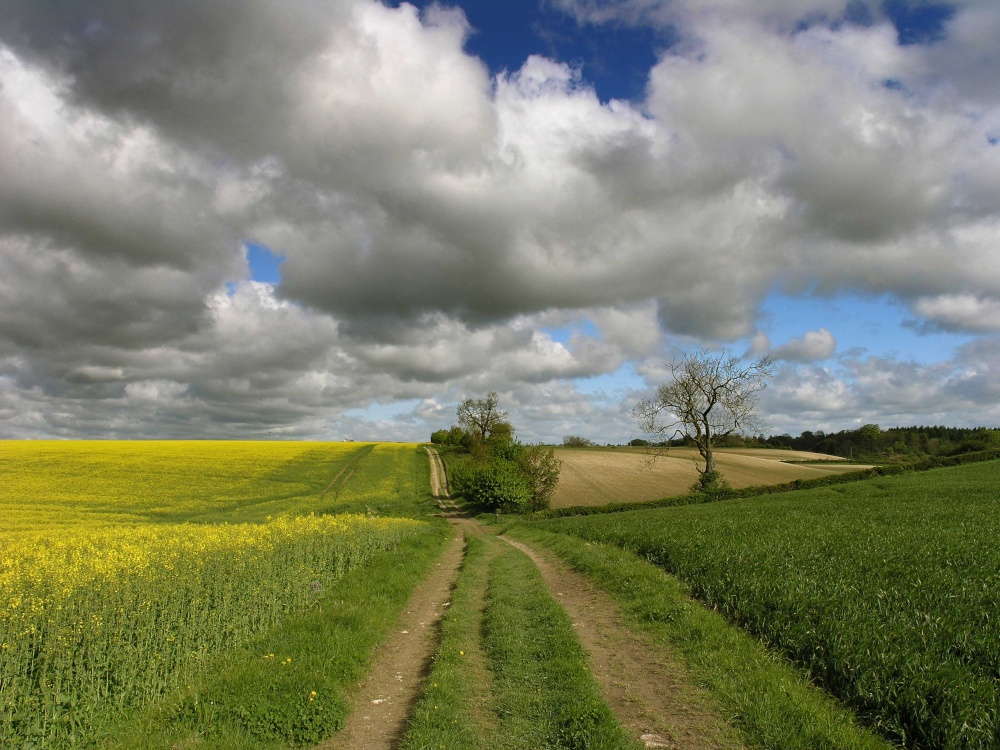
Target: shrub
pixel 496 485
pixel 541 471
pixel 712 483
pixel 504 449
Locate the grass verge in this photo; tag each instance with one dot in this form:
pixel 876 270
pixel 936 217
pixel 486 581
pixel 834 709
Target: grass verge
pixel 544 694
pixel 770 702
pixel 285 688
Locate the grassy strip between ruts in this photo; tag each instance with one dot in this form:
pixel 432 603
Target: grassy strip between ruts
pixel 285 689
pixel 543 694
pixel 453 710
pixel 770 702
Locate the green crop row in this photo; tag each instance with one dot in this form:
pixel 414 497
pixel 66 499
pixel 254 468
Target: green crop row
pixel 886 591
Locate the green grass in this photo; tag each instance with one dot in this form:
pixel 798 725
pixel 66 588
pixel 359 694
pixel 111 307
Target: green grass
pixel 885 591
pixel 541 692
pixel 288 687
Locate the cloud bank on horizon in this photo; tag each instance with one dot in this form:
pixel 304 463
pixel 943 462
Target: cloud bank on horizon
pixel 448 223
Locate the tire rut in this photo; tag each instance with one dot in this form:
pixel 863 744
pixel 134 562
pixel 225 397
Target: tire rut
pixel 385 697
pixel 643 685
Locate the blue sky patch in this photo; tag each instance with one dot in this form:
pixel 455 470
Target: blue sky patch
pixel 877 326
pixel 615 59
pixel 919 22
pixel 563 334
pixel 265 264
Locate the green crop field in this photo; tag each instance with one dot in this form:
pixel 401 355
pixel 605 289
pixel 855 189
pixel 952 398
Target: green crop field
pixel 127 567
pixel 886 591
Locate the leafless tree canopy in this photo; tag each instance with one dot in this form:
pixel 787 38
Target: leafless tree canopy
pixel 480 416
pixel 709 398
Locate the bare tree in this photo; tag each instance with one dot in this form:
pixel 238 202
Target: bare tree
pixel 708 399
pixel 481 416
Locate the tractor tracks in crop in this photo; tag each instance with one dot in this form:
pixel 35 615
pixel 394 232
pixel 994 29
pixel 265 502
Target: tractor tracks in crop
pixel 344 475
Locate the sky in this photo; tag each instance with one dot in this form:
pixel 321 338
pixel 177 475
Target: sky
pixel 330 219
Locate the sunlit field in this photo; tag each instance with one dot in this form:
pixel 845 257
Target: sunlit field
pixel 596 477
pixel 100 483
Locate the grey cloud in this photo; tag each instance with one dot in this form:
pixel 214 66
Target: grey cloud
pixel 433 220
pixel 810 347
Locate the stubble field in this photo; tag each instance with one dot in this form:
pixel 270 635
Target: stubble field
pixel 597 477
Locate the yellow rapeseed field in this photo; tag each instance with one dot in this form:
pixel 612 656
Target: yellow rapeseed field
pixel 104 605
pixel 111 482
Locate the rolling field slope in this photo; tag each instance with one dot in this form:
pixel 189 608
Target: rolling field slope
pixel 596 477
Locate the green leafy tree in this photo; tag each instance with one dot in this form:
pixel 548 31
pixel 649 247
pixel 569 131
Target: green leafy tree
pixel 870 435
pixel 481 415
pixel 502 474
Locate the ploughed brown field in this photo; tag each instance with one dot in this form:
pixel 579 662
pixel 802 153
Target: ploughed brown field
pixel 596 477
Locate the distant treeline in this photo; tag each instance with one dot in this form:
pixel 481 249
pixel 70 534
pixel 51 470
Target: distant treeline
pixel 872 442
pixel 894 442
pixel 867 443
